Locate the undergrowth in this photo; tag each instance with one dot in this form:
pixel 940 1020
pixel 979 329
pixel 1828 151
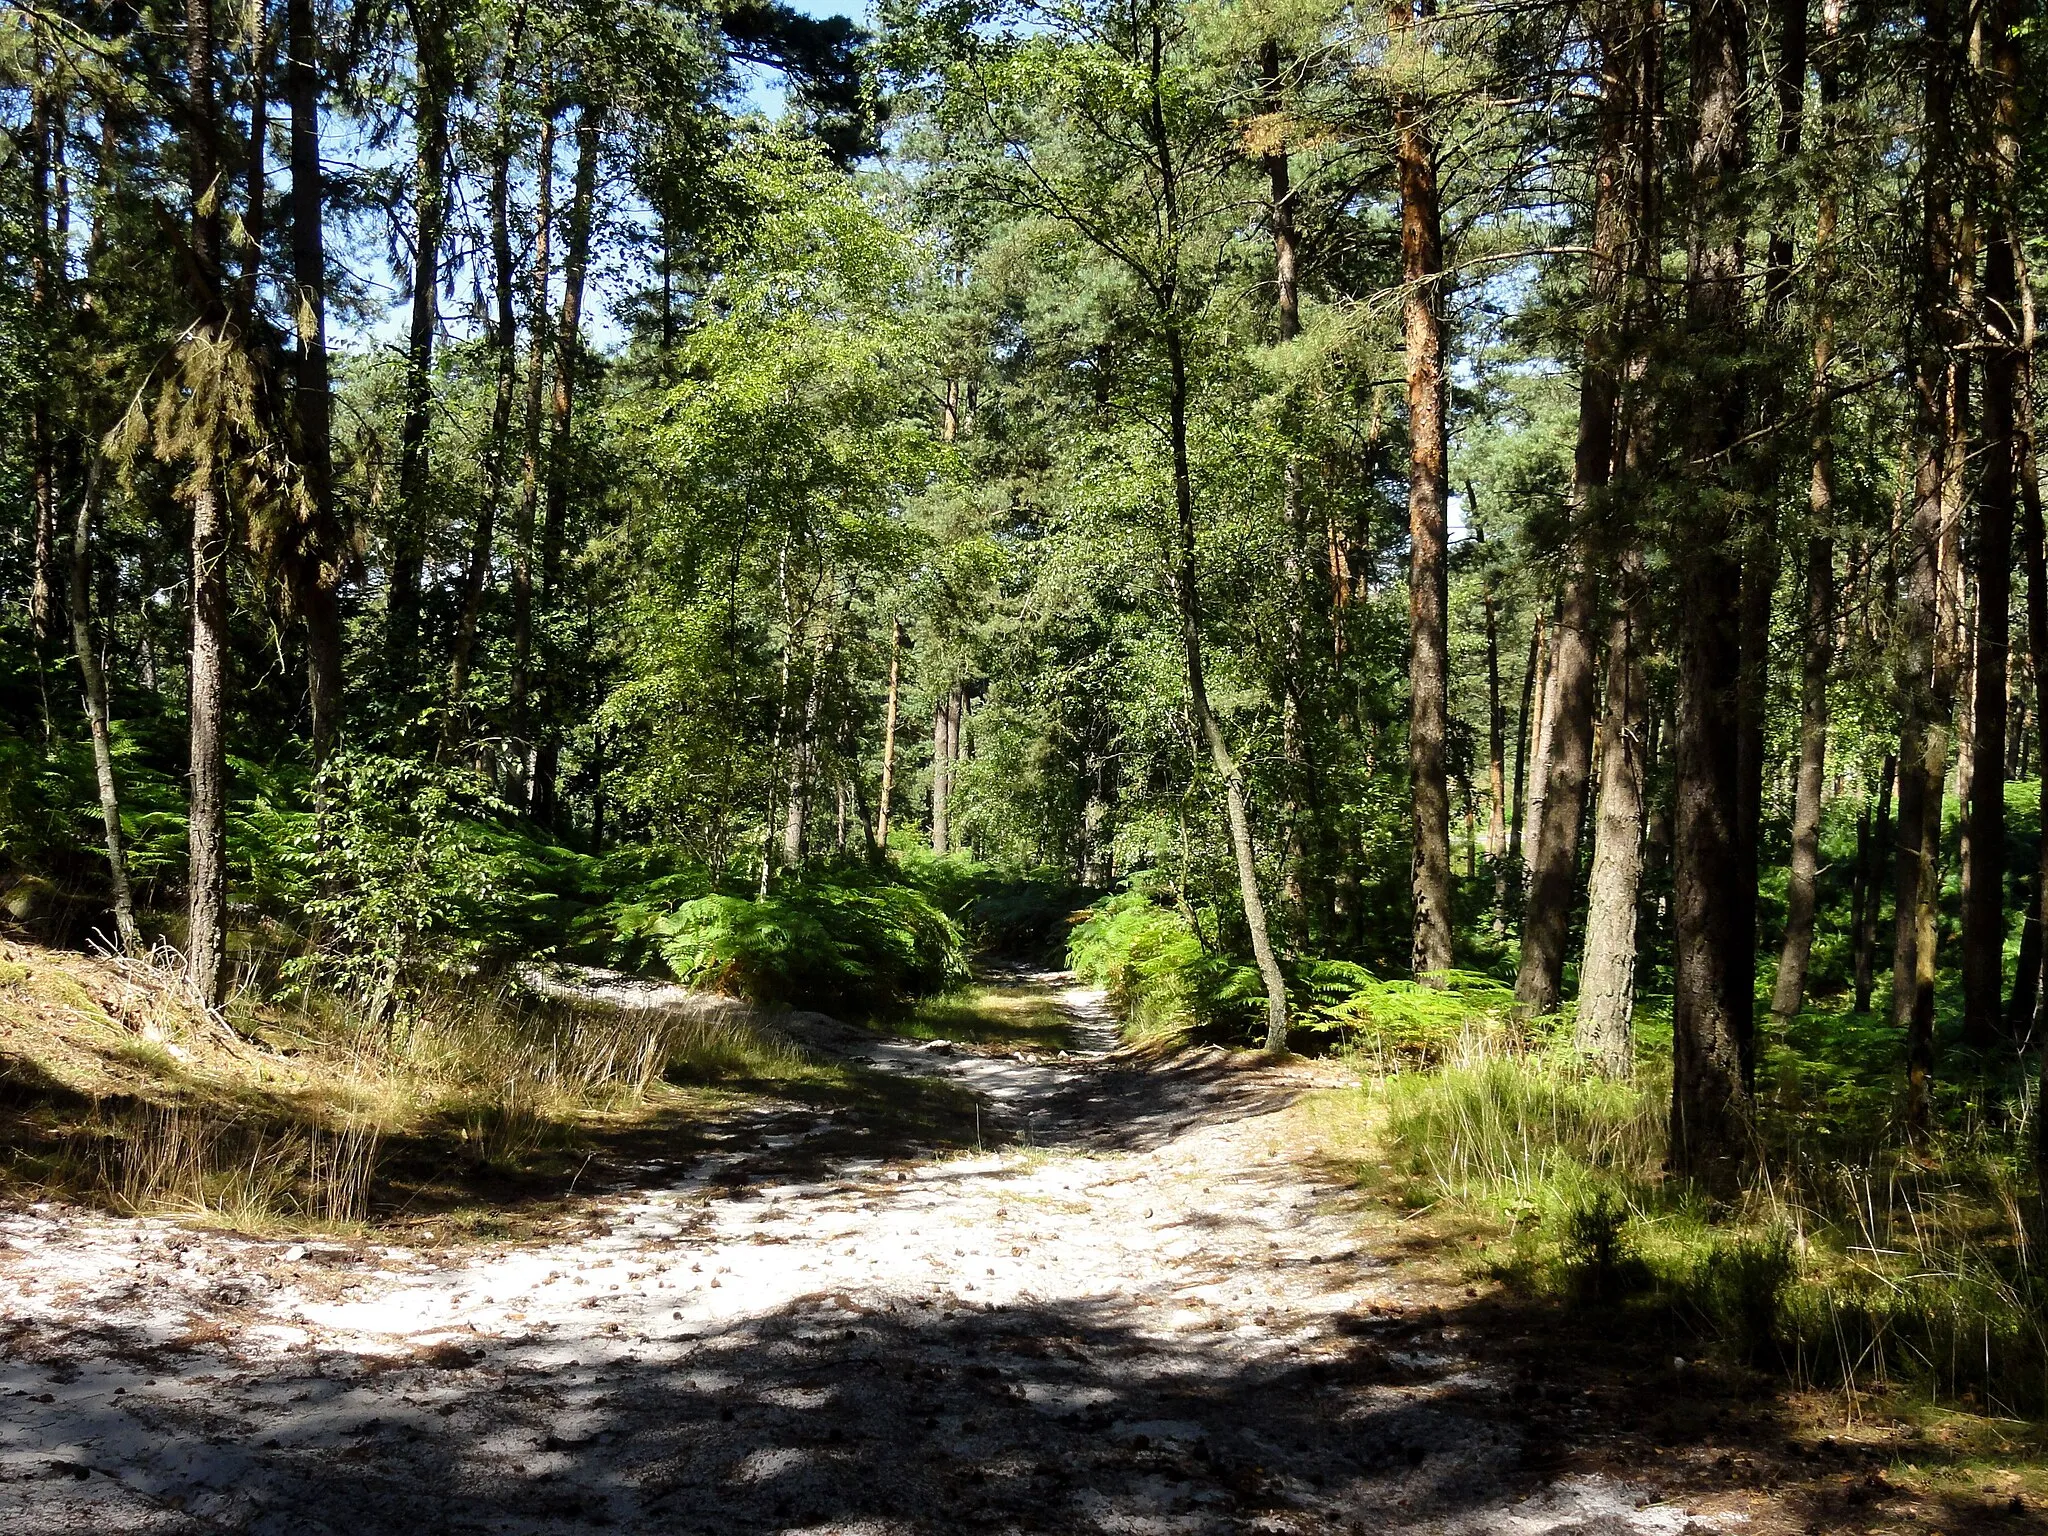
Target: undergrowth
pixel 1851 1262
pixel 316 1111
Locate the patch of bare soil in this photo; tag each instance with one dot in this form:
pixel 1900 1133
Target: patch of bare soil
pixel 1145 1308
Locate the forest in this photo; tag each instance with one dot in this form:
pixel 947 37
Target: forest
pixel 1494 546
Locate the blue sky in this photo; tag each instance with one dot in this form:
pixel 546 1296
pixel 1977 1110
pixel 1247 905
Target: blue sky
pixel 764 94
pixel 767 91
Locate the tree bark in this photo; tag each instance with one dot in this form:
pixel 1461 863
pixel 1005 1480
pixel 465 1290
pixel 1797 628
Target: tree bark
pixel 1496 744
pixel 1870 881
pixel 256 167
pixel 1567 751
pixel 432 49
pixel 1558 805
pixel 1531 688
pixel 532 470
pixel 1184 573
pixel 889 734
pixel 1422 328
pixel 942 775
pixel 802 756
pixel 206 795
pixel 95 686
pixel 2022 1015
pixel 312 566
pixel 1280 212
pixel 568 342
pixel 1236 809
pixel 1496 764
pixel 1983 937
pixel 1927 659
pixel 1710 1110
pixel 1604 1029
pixel 42 598
pixel 1789 992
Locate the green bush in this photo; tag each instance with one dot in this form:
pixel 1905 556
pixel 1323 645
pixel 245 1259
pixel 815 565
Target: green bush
pixel 1598 1254
pixel 1160 977
pixel 1404 1021
pixel 408 868
pixel 1021 913
pixel 814 942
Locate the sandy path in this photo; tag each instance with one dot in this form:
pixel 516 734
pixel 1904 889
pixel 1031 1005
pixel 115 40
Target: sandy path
pixel 1155 1319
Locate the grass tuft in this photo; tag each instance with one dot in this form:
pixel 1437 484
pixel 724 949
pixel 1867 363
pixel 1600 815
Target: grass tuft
pixel 1877 1268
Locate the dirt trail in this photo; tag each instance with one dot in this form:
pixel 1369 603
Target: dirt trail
pixel 1156 1317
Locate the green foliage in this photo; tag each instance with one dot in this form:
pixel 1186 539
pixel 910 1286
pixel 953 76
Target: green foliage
pixel 1161 979
pixel 1742 1283
pixel 812 942
pixel 406 867
pixel 1405 1020
pixel 1847 1263
pixel 1515 1130
pixel 1023 914
pixel 1598 1258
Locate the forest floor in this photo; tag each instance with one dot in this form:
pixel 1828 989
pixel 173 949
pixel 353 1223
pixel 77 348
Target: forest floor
pixel 1152 1300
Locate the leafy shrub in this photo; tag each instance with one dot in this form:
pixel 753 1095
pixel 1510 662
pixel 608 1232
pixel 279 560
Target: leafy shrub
pixel 1024 913
pixel 1160 977
pixel 646 886
pixel 1599 1258
pixel 814 942
pixel 408 868
pixel 1405 1020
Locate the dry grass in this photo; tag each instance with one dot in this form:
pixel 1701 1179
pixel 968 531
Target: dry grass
pixel 1853 1275
pixel 115 1091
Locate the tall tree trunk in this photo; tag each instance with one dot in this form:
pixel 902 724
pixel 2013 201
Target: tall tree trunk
pixel 1927 670
pixel 498 444
pixel 1870 865
pixel 261 43
pixel 312 566
pixel 532 472
pixel 1185 574
pixel 561 414
pixel 1710 1091
pixel 889 734
pixel 942 775
pixel 1280 212
pixel 1524 731
pixel 1236 809
pixel 1606 1014
pixel 1539 734
pixel 800 782
pixel 206 797
pixel 1496 734
pixel 1496 763
pixel 95 684
pixel 1983 936
pixel 432 48
pixel 1567 750
pixel 1422 331
pixel 956 718
pixel 2027 989
pixel 43 265
pixel 1604 1031
pixel 1788 995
